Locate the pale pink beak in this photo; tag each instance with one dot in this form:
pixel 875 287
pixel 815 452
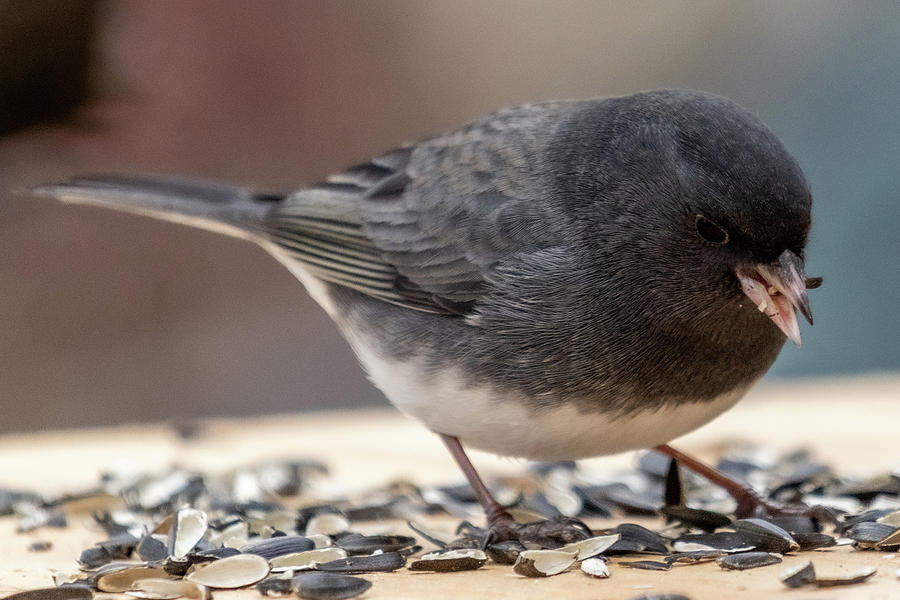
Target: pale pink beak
pixel 777 289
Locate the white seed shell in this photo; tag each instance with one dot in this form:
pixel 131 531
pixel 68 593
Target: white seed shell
pixel 891 518
pixel 307 559
pixel 856 577
pixel 451 554
pixel 232 572
pixel 282 520
pixel 233 536
pixel 125 579
pixel 167 589
pixel 446 561
pixel 591 546
pixel 189 527
pixel 327 524
pixel 678 546
pixel 543 563
pixel 595 567
pixel 320 540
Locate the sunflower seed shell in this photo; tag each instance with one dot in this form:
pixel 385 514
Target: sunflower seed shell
pixel 450 561
pixel 123 580
pixel 860 576
pixel 591 546
pixel 308 559
pixel 748 560
pixel 167 589
pixel 278 546
pixel 595 567
pixel 543 563
pixel 329 586
pixel 799 576
pixel 385 562
pixel 233 572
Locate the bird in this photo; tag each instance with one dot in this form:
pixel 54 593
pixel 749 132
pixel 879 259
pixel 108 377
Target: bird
pixel 552 281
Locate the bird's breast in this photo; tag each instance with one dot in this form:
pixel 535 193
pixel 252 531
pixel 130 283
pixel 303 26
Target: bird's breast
pixel 503 421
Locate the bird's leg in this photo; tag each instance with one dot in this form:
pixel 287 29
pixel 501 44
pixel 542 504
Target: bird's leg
pixel 495 513
pixel 749 502
pixel 501 525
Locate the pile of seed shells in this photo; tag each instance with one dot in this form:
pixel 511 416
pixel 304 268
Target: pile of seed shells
pixel 183 534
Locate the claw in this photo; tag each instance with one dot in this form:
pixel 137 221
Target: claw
pixel 551 533
pixel 754 505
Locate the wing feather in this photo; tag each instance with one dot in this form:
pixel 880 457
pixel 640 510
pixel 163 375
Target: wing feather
pixel 424 226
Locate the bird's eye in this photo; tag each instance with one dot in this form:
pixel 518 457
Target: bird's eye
pixel 711 232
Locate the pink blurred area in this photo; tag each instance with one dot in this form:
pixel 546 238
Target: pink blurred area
pixel 109 318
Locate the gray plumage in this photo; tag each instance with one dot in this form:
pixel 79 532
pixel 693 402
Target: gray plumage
pixel 549 249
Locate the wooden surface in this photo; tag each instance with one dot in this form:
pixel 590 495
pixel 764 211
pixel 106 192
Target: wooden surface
pixel 851 424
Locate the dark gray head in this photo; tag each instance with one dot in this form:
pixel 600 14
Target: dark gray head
pixel 694 195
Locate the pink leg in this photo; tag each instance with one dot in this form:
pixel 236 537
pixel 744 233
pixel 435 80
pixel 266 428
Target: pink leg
pixel 494 512
pixel 749 501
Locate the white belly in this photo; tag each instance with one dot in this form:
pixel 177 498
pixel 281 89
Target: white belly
pixel 499 422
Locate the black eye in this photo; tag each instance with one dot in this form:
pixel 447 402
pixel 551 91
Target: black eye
pixel 709 231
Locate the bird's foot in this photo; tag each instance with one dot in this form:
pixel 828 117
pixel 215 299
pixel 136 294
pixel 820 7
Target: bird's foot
pixel 551 533
pixel 751 503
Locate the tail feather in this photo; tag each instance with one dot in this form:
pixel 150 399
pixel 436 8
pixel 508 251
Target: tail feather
pixel 210 205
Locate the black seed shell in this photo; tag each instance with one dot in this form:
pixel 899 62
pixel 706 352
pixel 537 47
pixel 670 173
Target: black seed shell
pixel 722 540
pixel 278 546
pixel 748 560
pixel 505 553
pixel 635 538
pixel 329 586
pixel 813 541
pixel 869 515
pixel 646 565
pixel 706 520
pixel 869 533
pixel 152 549
pixel 800 577
pixel 94 557
pixel 796 524
pixel 73 592
pixel 766 536
pixel 694 557
pixel 215 554
pixel 389 561
pixel 275 586
pixel 356 543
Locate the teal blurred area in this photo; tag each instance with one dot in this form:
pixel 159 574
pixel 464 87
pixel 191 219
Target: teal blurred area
pixel 109 318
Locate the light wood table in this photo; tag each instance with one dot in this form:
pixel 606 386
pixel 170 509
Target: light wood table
pixel 849 423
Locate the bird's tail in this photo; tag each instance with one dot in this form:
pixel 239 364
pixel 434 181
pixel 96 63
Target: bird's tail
pixel 214 206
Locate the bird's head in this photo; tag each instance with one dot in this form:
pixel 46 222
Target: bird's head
pixel 711 204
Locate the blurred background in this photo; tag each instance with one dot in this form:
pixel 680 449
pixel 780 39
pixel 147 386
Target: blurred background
pixel 108 318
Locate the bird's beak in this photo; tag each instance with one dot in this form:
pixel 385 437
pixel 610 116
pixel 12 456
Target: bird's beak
pixel 777 289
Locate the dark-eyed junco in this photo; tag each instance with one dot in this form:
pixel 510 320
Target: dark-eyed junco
pixel 552 281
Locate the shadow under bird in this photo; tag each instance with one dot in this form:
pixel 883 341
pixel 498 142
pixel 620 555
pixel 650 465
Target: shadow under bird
pixel 551 281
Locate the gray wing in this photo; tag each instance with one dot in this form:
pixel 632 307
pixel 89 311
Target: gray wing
pixel 424 226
